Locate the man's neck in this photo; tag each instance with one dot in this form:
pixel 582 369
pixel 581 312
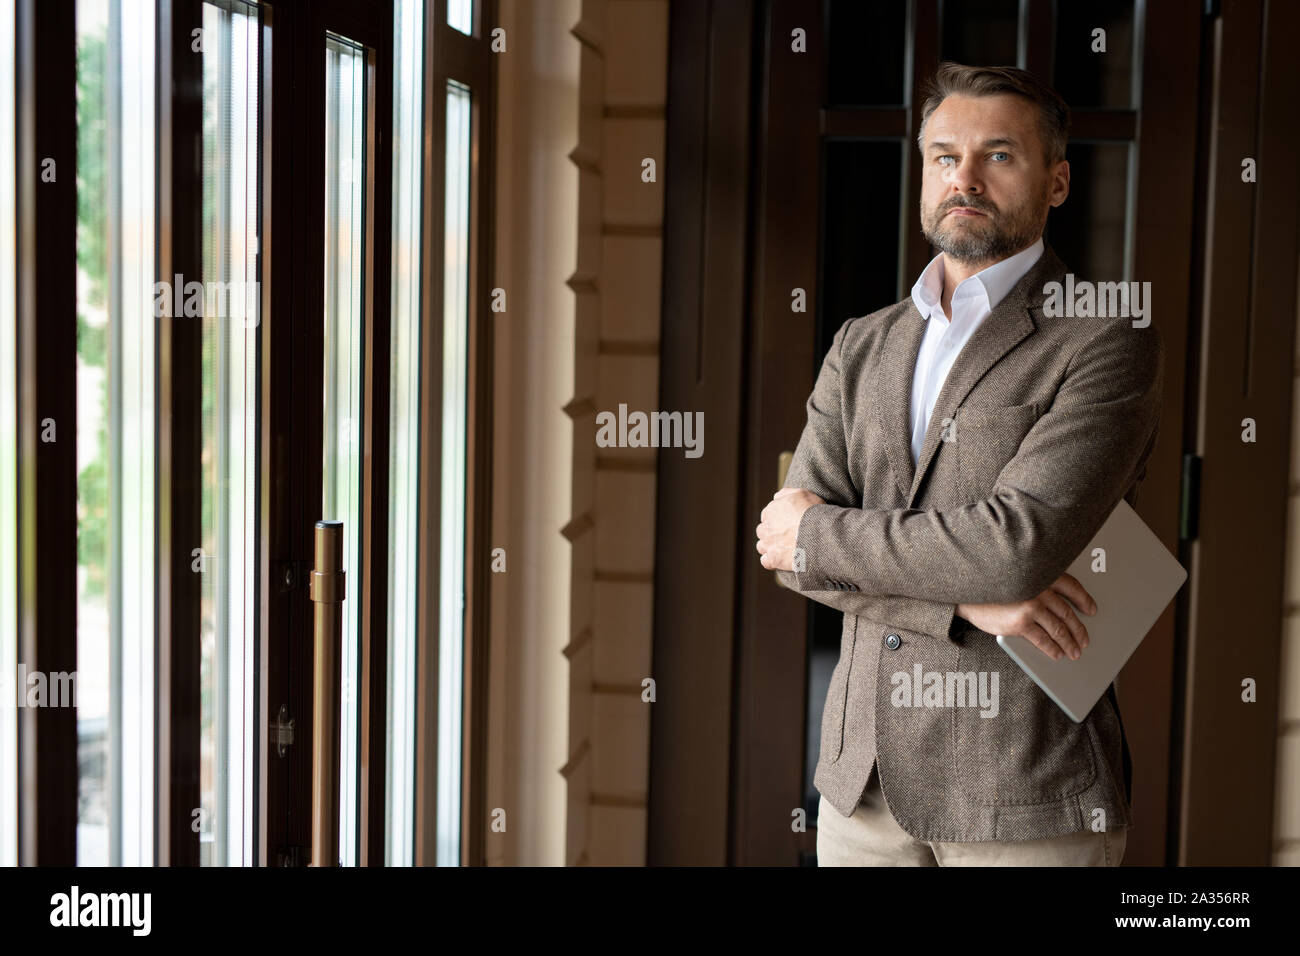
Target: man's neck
pixel 955 272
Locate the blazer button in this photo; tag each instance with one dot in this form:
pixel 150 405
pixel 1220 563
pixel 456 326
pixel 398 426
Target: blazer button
pixel 893 641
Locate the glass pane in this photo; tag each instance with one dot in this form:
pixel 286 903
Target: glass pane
pixel 981 32
pixel 115 430
pixel 227 562
pixel 455 359
pixel 341 428
pixel 1089 230
pixel 8 456
pixel 460 15
pixel 860 269
pixel 1088 77
pixel 866 46
pixel 404 474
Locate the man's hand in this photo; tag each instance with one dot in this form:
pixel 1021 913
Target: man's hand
pixel 1047 621
pixel 778 527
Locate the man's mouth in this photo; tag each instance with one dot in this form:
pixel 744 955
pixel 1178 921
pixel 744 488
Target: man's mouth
pixel 963 211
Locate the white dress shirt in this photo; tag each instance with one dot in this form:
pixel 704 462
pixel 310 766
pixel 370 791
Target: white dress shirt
pixel 972 302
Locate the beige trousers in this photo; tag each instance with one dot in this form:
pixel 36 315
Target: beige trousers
pixel 871 837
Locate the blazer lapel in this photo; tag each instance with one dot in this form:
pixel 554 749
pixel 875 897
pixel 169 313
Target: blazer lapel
pixel 1005 328
pixel 894 398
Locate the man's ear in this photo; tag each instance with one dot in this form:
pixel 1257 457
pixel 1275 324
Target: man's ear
pixel 1060 183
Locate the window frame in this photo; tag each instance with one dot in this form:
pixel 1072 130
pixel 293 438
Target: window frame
pixel 466 59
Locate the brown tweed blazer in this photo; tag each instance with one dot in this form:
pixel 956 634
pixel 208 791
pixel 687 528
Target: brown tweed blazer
pixel 1042 425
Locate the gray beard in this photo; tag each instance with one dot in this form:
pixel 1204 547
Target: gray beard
pixel 994 244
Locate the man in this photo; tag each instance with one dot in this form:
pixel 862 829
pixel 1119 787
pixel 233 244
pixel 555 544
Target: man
pixel 962 448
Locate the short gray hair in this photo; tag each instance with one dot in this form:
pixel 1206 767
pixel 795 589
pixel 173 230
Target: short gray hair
pixel 956 79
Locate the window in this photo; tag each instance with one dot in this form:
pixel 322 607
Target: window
pixel 115 431
pixel 460 16
pixel 229 457
pixel 345 174
pixel 404 469
pixel 455 392
pixel 194 448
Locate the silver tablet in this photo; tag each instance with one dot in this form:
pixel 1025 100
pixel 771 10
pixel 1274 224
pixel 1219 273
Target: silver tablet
pixel 1139 579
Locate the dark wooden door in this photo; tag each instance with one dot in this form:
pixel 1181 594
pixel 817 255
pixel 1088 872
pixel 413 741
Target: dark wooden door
pixel 833 183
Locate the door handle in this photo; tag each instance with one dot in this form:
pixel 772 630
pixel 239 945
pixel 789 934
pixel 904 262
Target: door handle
pixel 327 590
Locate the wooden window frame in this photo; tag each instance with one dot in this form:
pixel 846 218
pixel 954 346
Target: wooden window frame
pixel 46 62
pixel 468 59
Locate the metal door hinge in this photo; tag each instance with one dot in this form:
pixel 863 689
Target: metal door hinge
pixel 290 575
pixel 282 731
pixel 290 855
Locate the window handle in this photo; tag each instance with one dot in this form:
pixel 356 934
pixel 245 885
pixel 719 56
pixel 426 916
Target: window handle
pixel 327 590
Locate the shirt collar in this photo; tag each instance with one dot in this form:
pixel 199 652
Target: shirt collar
pixel 992 284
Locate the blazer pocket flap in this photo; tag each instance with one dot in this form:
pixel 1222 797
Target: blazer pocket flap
pixel 986 439
pixel 997 418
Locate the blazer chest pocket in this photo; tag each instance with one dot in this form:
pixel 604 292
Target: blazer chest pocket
pixel 986 439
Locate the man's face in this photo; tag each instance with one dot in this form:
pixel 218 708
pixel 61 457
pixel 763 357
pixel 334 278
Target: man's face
pixel 986 190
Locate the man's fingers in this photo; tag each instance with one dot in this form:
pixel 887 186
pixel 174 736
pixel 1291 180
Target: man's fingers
pixel 1057 630
pixel 1038 637
pixel 783 492
pixel 1069 585
pixel 1065 611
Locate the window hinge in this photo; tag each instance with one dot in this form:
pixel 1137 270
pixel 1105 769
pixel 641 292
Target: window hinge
pixel 291 574
pixel 282 731
pixel 290 855
pixel 1189 511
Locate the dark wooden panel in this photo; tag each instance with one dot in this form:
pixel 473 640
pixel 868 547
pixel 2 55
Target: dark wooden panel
pixel 1120 124
pixel 1036 43
pixel 46 53
pixel 698 531
pixel 771 686
pixel 1247 334
pixel 1163 231
pixel 923 31
pixel 874 123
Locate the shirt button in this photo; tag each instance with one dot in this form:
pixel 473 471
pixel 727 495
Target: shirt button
pixel 893 641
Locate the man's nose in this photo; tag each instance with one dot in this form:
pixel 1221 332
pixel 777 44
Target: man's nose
pixel 962 178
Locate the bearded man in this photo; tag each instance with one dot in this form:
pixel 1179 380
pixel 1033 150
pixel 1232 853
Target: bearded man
pixel 962 447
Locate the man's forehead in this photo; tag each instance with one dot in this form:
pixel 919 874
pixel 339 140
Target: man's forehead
pixel 1000 116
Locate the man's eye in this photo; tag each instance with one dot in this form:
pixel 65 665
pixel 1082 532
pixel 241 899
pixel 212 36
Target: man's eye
pixel 942 158
pixel 1004 156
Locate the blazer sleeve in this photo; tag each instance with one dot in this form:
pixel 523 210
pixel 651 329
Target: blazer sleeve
pixel 1052 497
pixel 820 465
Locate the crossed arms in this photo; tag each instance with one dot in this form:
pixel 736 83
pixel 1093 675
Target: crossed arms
pixel 913 567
